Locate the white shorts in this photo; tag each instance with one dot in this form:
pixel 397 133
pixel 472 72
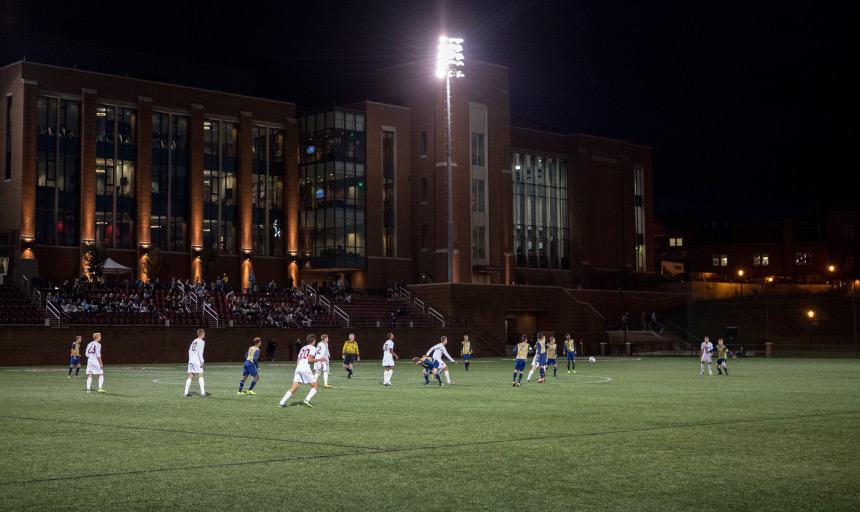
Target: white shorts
pixel 304 377
pixel 93 367
pixel 535 361
pixel 321 366
pixel 387 360
pixel 442 364
pixel 706 358
pixel 194 368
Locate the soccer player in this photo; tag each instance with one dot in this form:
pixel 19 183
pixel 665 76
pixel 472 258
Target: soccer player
pixel 195 363
pixel 722 351
pixel 307 355
pixel 707 348
pixel 350 354
pixel 94 362
pixel 430 366
pixel 540 357
pixel 552 356
pixel 251 367
pixel 535 365
pixel 75 361
pixel 322 366
pixel 522 352
pixel 570 350
pixel 388 357
pixel 437 351
pixel 466 351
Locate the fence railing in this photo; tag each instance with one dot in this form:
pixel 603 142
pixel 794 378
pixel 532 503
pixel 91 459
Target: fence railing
pixel 420 303
pixel 404 293
pixel 341 313
pixel 325 302
pixel 193 298
pixel 309 291
pixel 52 311
pixel 211 313
pixel 437 315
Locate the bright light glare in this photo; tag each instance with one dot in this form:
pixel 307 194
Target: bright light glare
pixel 450 54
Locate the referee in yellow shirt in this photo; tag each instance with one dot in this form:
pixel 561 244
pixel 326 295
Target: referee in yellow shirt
pixel 350 354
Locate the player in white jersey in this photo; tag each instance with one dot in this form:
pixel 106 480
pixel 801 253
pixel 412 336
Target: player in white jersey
pixel 388 357
pixel 437 351
pixel 707 347
pixel 195 363
pixel 307 355
pixel 322 366
pixel 94 362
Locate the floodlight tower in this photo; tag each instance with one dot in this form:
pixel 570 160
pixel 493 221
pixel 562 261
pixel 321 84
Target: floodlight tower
pixel 449 59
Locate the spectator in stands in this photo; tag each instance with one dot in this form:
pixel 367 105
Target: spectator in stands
pixel 272 286
pixel 252 282
pixel 742 352
pixel 625 321
pixel 392 321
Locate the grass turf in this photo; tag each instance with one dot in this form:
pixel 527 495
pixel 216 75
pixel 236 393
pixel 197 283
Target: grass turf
pixel 621 434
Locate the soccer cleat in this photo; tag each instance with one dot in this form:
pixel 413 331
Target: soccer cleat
pixel 349 376
pixel 206 394
pixel 250 392
pixel 102 391
pixel 702 372
pixel 514 384
pixel 528 380
pixel 540 381
pixel 241 393
pixel 187 394
pixel 308 404
pixel 326 386
pixel 426 383
pixel 282 405
pixel 88 391
pixel 574 371
pixel 518 384
pixel 70 376
pixel 451 383
pixel 568 371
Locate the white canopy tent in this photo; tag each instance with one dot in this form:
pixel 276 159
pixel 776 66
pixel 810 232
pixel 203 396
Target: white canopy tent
pixel 112 267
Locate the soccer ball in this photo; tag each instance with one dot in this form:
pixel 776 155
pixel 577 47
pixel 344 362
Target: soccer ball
pixel 592 359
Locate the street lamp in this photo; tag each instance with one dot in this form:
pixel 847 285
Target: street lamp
pixel 831 268
pixel 811 315
pixel 448 59
pixel 741 279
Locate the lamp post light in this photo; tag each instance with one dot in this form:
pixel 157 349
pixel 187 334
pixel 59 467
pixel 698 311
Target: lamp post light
pixel 448 58
pixel 741 279
pixel 831 268
pixel 811 315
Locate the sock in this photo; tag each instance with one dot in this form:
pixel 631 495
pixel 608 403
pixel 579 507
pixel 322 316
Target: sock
pixel 70 371
pixel 89 382
pixel 530 374
pixel 467 365
pixel 101 380
pixel 390 373
pixel 77 370
pixel 241 384
pixel 253 383
pixel 555 371
pixel 286 397
pixel 521 377
pixel 568 365
pixel 325 378
pixel 427 378
pixel 574 365
pixel 515 376
pixel 703 366
pixel 542 372
pixel 311 394
pixel 439 378
pixel 202 389
pixel 187 385
pixel 447 377
pixel 349 370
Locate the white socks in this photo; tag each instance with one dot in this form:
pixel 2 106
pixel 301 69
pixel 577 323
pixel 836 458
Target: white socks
pixel 89 382
pixel 447 377
pixel 202 389
pixel 187 385
pixel 530 374
pixel 287 397
pixel 386 376
pixel 311 394
pixel 101 380
pixel 325 378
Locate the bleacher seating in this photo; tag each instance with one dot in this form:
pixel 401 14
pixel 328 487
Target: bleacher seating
pixel 366 311
pixel 16 309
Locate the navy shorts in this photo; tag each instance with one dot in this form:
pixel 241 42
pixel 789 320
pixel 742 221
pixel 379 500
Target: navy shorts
pixel 519 365
pixel 571 356
pixel 467 357
pixel 552 361
pixel 348 358
pixel 721 361
pixel 75 360
pixel 542 360
pixel 250 369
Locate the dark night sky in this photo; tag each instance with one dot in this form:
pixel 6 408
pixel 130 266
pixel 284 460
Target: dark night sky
pixel 748 108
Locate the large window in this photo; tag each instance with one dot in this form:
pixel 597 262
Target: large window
pixel 389 211
pixel 219 175
pixel 540 211
pixel 8 166
pixel 57 170
pixel 639 217
pixel 332 191
pixel 115 166
pixel 267 191
pixel 169 181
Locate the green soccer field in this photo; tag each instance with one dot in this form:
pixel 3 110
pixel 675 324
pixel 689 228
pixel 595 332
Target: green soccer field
pixel 620 434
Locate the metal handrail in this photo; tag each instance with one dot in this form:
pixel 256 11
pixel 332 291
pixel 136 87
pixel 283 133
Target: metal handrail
pixel 53 311
pixel 437 315
pixel 341 313
pixel 207 310
pixel 406 293
pixel 310 291
pixel 420 303
pixel 325 302
pixel 194 299
pixel 27 287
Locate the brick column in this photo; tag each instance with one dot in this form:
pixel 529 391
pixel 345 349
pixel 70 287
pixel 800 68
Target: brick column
pixel 290 231
pixel 89 104
pixel 28 166
pixel 244 182
pixel 195 188
pixel 143 181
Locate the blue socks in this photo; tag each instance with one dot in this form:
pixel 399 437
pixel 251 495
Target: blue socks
pixel 253 383
pixel 241 383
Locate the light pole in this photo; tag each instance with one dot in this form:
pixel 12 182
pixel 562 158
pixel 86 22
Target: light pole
pixel 831 268
pixel 448 59
pixel 741 279
pixel 811 315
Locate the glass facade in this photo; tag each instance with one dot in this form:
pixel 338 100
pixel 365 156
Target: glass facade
pixel 267 191
pixel 169 181
pixel 219 177
pixel 58 165
pixel 389 213
pixel 541 230
pixel 332 191
pixel 639 216
pixel 116 156
pixel 8 167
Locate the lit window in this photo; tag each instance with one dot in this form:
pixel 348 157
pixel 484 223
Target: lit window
pixel 756 259
pixel 676 242
pixel 724 260
pixel 765 260
pixel 802 258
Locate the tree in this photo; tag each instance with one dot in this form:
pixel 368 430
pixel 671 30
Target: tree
pixel 208 257
pixel 152 264
pixel 95 257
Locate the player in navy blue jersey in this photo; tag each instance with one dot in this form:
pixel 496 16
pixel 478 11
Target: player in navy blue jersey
pixel 252 367
pixel 430 366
